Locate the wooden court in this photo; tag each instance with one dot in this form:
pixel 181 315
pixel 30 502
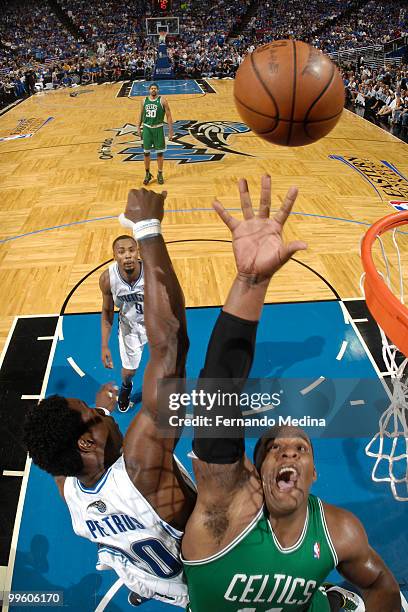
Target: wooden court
pixel 56 178
pixel 61 191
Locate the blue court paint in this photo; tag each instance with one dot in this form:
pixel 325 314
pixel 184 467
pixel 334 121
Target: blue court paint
pixel 166 87
pixel 300 341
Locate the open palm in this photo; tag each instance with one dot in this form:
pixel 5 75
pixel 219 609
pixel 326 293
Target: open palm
pixel 257 240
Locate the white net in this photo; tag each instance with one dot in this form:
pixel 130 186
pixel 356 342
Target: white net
pixel 389 446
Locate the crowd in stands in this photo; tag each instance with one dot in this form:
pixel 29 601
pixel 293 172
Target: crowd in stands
pixel 33 33
pixel 330 25
pixel 283 19
pixel 383 93
pixel 376 22
pixel 111 42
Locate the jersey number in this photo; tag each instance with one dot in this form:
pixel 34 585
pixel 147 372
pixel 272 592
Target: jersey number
pixel 151 112
pixel 160 560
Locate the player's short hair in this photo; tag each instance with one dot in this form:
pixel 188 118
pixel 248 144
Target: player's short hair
pixel 260 450
pixel 154 85
pixel 51 433
pixel 123 237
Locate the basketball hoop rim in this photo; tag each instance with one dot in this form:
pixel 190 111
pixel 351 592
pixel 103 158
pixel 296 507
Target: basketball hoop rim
pixel 386 308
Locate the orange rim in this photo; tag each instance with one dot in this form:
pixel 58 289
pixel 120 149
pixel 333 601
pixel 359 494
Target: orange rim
pixel 387 310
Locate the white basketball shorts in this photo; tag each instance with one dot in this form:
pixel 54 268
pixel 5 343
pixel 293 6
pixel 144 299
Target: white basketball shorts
pixel 131 342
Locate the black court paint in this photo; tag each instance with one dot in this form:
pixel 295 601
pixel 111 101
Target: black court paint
pixel 22 373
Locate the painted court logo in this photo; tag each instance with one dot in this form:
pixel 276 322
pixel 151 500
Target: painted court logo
pixel 193 142
pixel 26 128
pixel 385 178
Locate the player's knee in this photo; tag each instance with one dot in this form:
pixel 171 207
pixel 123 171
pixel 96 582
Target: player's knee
pixel 128 374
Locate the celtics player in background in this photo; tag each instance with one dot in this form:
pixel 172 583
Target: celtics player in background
pixel 257 540
pixel 152 113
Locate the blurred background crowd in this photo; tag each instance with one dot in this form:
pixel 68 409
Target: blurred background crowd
pixel 60 43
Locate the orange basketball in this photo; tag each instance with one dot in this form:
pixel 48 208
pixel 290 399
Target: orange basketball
pixel 289 93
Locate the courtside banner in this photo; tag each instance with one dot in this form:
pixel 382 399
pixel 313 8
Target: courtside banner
pixel 26 128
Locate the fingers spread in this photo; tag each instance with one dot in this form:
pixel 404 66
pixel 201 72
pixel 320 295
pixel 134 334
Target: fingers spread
pixel 246 203
pixel 284 211
pixel 229 221
pixel 265 201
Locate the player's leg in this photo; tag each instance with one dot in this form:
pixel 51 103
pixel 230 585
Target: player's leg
pixel 148 176
pixel 130 354
pixel 147 145
pixel 160 146
pixel 125 389
pixel 160 161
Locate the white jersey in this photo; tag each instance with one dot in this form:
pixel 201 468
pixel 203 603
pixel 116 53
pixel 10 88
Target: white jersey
pixel 132 539
pixel 128 298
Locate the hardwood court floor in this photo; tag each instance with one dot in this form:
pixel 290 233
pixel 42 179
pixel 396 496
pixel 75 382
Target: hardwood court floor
pixel 56 178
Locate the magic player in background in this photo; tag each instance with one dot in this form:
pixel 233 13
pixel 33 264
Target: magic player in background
pixel 128 495
pixel 122 285
pixel 152 113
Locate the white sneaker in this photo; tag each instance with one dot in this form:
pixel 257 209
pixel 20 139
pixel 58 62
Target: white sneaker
pixel 351 601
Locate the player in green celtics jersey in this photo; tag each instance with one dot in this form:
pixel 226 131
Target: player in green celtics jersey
pixel 258 540
pixel 152 113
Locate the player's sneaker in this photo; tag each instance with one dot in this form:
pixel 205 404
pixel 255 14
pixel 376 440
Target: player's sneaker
pixel 124 397
pixel 147 178
pixel 135 599
pixel 351 601
pixel 160 178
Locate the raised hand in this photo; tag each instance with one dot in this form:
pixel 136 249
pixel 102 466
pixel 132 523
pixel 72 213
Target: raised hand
pixel 145 204
pixel 257 240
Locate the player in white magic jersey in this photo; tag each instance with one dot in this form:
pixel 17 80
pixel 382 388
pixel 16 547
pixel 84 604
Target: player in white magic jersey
pixel 122 285
pixel 128 495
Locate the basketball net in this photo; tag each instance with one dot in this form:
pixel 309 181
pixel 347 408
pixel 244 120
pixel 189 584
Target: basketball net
pixel 162 37
pixel 389 446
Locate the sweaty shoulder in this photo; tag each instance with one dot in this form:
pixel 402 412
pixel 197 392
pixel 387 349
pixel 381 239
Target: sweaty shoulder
pixel 104 282
pixel 346 531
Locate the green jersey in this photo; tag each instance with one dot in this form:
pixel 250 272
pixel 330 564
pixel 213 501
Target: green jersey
pixel 256 574
pixel 153 112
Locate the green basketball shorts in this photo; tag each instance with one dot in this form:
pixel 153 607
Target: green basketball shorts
pixel 153 139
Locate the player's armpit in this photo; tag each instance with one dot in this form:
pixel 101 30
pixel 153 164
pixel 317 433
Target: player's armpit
pixel 60 482
pixel 154 472
pixel 223 481
pixel 229 499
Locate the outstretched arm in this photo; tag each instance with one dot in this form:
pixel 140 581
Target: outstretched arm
pixel 224 475
pixel 149 455
pixel 360 564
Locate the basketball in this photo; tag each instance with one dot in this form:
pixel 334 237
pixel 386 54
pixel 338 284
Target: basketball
pixel 289 93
